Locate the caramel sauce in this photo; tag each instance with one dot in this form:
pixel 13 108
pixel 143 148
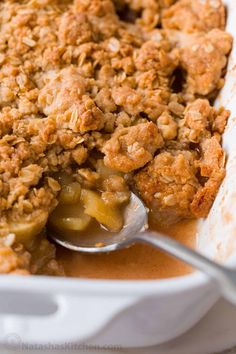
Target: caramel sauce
pixel 137 262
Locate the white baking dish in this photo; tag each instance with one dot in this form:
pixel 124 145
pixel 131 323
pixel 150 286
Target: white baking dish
pixel 45 310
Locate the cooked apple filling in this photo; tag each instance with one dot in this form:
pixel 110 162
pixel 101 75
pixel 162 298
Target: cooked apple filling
pixel 99 98
pixel 78 206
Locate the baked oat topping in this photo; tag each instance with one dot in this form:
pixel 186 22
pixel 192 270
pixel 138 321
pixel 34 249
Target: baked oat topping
pixel 114 94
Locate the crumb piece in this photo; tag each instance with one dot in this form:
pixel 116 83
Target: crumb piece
pixel 195 15
pixel 131 148
pixel 168 185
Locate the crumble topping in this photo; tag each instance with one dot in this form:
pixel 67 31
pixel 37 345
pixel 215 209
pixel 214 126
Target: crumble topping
pixel 115 94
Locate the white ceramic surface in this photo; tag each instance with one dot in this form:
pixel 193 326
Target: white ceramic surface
pixel 213 334
pixel 134 313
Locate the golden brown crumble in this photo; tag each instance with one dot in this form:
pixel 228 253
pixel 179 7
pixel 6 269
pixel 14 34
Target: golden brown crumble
pixel 88 87
pixel 133 147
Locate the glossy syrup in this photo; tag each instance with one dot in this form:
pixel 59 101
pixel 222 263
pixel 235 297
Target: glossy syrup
pixel 137 262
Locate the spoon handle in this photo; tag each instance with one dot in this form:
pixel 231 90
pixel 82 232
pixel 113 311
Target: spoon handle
pixel 225 277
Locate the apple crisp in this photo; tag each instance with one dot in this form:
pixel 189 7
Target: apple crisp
pixel 98 98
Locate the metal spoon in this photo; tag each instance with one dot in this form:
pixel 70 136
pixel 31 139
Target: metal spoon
pixel 135 231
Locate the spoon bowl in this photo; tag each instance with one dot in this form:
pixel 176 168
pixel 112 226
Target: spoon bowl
pixel 135 221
